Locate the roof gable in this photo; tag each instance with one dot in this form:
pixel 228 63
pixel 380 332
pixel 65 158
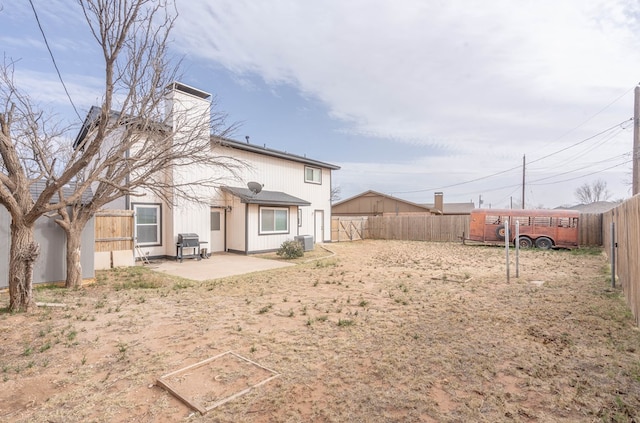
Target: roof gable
pixel 376 203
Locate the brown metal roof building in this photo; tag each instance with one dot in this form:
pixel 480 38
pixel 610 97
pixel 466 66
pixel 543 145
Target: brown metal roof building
pixel 372 203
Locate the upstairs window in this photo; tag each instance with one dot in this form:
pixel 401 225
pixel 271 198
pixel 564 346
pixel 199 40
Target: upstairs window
pixel 312 175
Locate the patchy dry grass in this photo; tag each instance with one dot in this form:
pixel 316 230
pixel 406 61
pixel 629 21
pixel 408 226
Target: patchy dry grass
pixel 381 331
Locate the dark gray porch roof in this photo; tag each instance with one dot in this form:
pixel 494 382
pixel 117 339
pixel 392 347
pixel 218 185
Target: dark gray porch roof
pixel 265 198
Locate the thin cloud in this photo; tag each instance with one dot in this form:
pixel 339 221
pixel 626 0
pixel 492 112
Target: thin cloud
pixel 415 71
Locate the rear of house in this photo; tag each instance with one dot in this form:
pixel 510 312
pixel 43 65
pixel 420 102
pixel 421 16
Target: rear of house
pixel 294 197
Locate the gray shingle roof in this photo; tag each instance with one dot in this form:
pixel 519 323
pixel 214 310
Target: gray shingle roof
pixel 37 187
pixel 454 208
pixel 274 153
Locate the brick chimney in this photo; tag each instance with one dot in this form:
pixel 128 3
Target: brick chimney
pixel 438 202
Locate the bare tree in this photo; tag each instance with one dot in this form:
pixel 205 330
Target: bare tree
pixel 335 194
pixel 150 143
pixel 127 145
pixel 29 150
pixel 591 193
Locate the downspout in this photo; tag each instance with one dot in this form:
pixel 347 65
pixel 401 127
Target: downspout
pixel 127 199
pixel 226 211
pixel 246 229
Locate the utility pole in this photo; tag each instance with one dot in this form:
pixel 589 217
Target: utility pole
pixel 523 167
pixel 635 185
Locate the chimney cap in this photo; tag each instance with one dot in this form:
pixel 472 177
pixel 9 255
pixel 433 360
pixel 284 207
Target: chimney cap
pixel 179 86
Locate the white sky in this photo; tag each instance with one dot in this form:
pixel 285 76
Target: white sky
pixel 407 96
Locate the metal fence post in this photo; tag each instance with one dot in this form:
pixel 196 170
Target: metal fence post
pixel 517 244
pixel 506 244
pixel 613 255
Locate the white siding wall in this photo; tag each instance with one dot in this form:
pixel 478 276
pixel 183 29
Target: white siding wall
pixel 278 174
pixel 190 118
pixel 192 218
pixel 259 243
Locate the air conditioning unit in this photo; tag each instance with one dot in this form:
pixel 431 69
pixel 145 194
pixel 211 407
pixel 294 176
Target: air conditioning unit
pixel 306 241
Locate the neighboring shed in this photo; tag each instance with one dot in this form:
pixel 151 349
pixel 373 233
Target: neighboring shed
pixel 50 265
pixel 372 203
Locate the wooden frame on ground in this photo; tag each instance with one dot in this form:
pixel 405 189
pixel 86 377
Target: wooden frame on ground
pixel 179 384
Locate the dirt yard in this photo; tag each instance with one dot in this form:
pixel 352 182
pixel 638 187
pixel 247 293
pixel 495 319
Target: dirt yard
pixel 380 331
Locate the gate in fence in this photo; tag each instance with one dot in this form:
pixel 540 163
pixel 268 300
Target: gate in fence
pixel 348 228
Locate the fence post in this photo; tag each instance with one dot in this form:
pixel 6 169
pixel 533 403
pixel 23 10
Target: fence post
pixel 613 255
pixel 506 244
pixel 517 243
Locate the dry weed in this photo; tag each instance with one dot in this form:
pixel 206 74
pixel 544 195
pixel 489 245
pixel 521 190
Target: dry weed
pixel 382 331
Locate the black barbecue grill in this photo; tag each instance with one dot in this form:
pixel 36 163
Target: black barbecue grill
pixel 188 241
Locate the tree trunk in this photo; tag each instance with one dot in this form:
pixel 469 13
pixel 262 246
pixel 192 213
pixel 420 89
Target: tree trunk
pixel 74 267
pixel 24 252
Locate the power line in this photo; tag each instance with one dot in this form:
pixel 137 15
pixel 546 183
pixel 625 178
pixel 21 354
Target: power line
pixel 619 156
pixel 588 174
pixel 591 117
pixel 55 65
pixel 459 183
pixel 575 156
pixel 583 141
pixel 515 167
pixel 508 195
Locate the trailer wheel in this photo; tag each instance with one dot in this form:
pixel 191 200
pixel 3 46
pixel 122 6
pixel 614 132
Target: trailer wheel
pixel 500 232
pixel 525 242
pixel 544 243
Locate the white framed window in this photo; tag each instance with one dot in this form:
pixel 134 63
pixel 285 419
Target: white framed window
pixel 312 175
pixel 148 224
pixel 274 220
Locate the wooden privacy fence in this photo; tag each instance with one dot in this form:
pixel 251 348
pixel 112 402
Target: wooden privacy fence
pixel 348 228
pixel 434 228
pixel 418 228
pixel 590 229
pixel 626 227
pixel 114 230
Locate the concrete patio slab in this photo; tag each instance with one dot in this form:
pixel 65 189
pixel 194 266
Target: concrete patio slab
pixel 217 266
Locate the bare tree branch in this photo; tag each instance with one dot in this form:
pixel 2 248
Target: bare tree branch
pixel 591 193
pixel 129 146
